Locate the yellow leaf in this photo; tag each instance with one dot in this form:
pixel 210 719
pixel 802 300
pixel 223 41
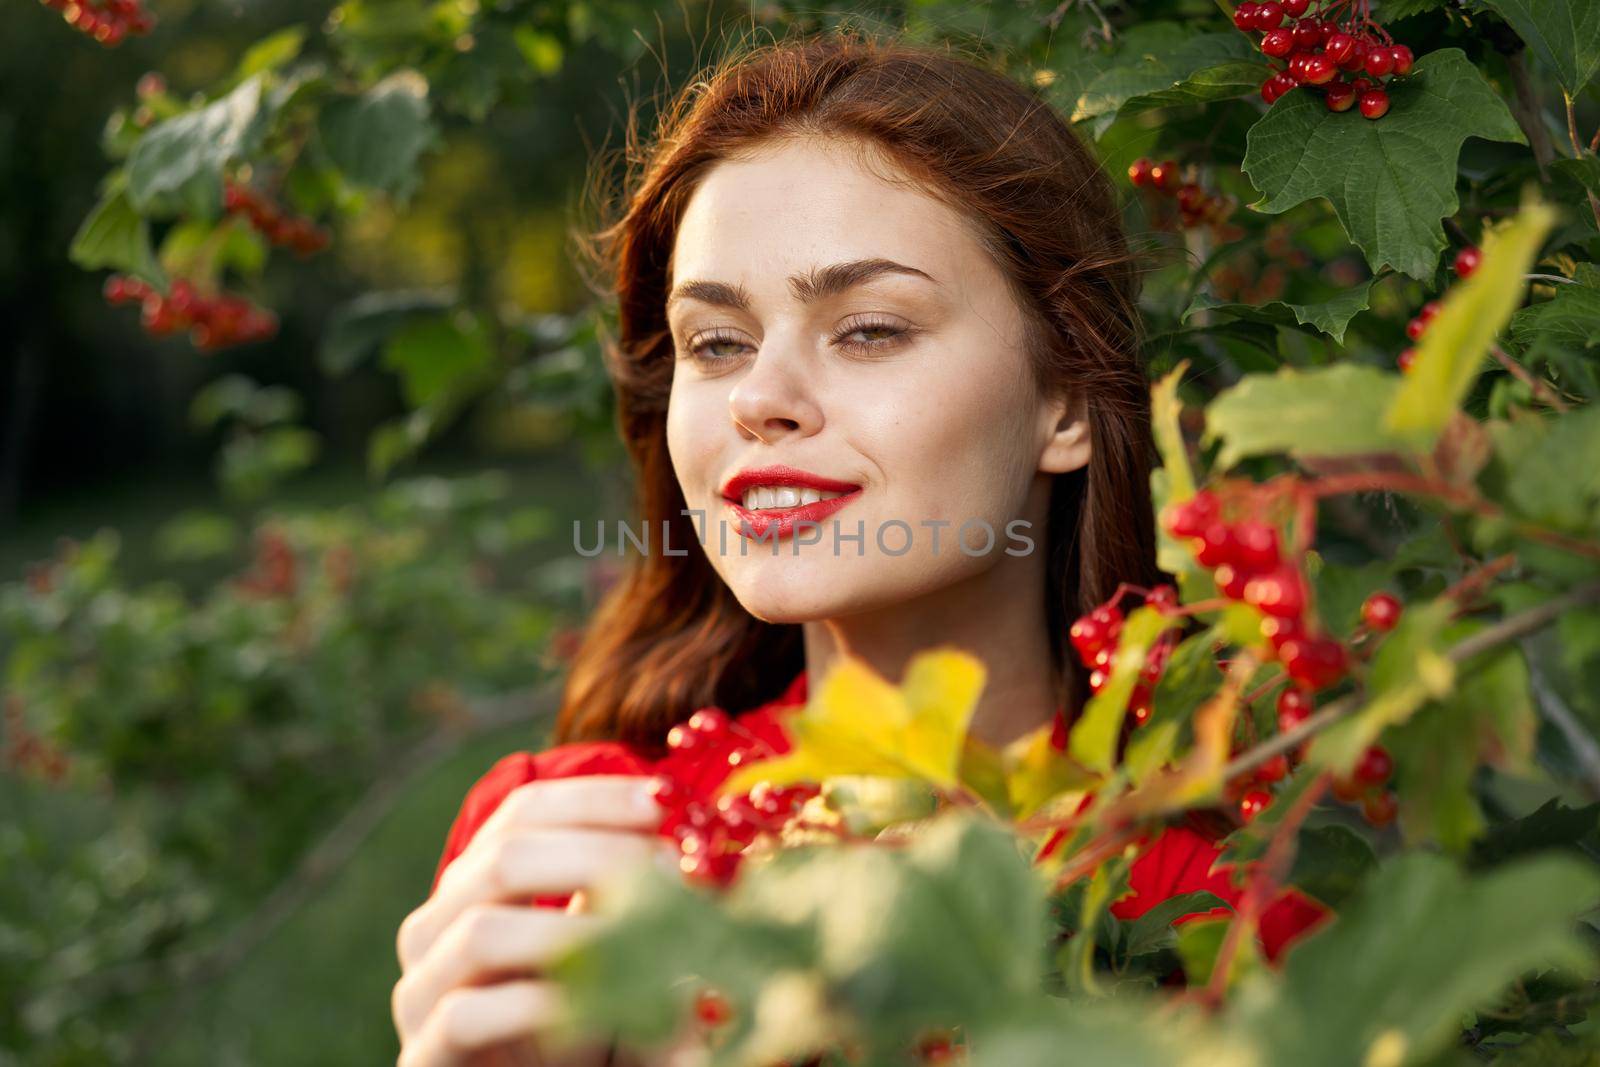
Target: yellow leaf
pixel 1037 773
pixel 856 723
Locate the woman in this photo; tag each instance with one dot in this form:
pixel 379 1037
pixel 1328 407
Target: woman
pixel 891 280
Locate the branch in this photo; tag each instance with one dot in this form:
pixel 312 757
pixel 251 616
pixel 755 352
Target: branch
pixel 1511 628
pixel 1577 147
pixel 1528 113
pixel 1525 376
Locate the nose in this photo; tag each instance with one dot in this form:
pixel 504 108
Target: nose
pixel 775 396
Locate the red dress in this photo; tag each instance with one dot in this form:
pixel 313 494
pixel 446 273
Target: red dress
pixel 1179 860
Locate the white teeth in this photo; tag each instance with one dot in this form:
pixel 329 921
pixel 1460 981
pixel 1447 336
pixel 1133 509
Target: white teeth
pixel 760 497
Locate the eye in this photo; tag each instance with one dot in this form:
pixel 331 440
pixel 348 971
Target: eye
pixel 888 335
pixel 699 345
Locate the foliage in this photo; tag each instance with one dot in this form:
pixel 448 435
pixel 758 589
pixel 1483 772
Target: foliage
pixel 1452 478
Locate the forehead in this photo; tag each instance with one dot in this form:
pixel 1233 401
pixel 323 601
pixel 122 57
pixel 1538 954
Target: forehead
pixel 797 203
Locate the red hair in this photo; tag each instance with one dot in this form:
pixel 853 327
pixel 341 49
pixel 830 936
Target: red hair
pixel 669 637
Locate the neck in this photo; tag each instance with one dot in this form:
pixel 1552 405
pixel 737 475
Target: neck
pixel 998 615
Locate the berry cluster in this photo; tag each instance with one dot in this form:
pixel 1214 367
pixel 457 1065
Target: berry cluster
pixel 1367 786
pixel 273 569
pixel 292 231
pixel 1317 47
pixel 108 21
pixel 1195 206
pixel 712 834
pixel 1094 637
pixel 26 752
pixel 1247 563
pixel 1466 263
pixel 213 322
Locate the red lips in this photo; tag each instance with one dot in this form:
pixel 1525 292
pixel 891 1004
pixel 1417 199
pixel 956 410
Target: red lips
pixel 775 524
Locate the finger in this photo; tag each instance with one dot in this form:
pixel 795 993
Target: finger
pixel 469 1019
pixel 487 941
pixel 534 862
pixel 605 801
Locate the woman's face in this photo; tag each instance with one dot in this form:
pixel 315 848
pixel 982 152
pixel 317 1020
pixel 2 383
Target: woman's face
pixel 853 329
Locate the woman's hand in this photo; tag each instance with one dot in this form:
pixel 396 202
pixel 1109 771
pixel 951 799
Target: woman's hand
pixel 469 993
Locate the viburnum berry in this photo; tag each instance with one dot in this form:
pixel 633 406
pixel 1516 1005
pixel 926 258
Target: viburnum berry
pixel 1380 612
pixel 712 1008
pixel 1254 803
pixel 1186 518
pixel 1244 16
pixel 1467 261
pixel 1139 172
pixel 1279 592
pixel 1215 545
pixel 1278 43
pixel 1256 545
pixel 1403 59
pixel 213 321
pixel 1269 16
pixel 1231 581
pixel 1405 359
pixel 1306 35
pixel 1164 175
pixel 1281 629
pixel 302 235
pixel 1276 86
pixel 1348 790
pixel 1314 662
pixel 109 22
pixel 1374 767
pixel 1380 62
pixel 1275 769
pixel 1341 46
pixel 1374 104
pixel 1379 808
pixel 1296 8
pixel 1340 96
pixel 1294 708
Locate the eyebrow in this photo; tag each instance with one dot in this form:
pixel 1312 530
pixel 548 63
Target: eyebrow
pixel 819 283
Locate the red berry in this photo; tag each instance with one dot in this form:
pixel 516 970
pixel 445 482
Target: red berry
pixel 1403 59
pixel 1341 46
pixel 1275 769
pixel 1139 172
pixel 1244 16
pixel 1164 175
pixel 1294 708
pixel 1341 96
pixel 1374 767
pixel 1319 70
pixel 1164 598
pixel 1280 629
pixel 150 84
pixel 1279 592
pixel 1186 518
pixel 1254 803
pixel 1306 36
pixel 1231 581
pixel 1348 790
pixel 1215 545
pixel 709 721
pixel 1379 808
pixel 712 1008
pixel 1256 546
pixel 1415 328
pixel 1296 8
pixel 1380 63
pixel 1405 360
pixel 1269 16
pixel 1374 104
pixel 682 739
pixel 1356 60
pixel 1467 261
pixel 1314 662
pixel 1191 197
pixel 1278 43
pixel 1380 612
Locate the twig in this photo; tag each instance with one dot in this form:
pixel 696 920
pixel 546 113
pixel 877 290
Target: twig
pixel 1583 746
pixel 1525 376
pixel 1577 147
pixel 1556 278
pixel 1507 630
pixel 1528 113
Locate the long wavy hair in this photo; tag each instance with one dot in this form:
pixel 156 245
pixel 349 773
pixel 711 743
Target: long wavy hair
pixel 669 637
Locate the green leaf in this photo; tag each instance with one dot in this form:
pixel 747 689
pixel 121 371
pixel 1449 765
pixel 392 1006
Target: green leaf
pixel 1554 826
pixel 1174 480
pixel 1489 717
pixel 1409 669
pixel 375 138
pixel 1199 69
pixel 1389 10
pixel 1564 34
pixel 1570 318
pixel 1547 486
pixel 1329 411
pixel 177 165
pixel 357 328
pixel 1093 741
pixel 1153 932
pixel 117 237
pixel 1429 944
pixel 1390 181
pixel 1451 353
pixel 1331 863
pixel 271 52
pixel 436 356
pixel 1331 317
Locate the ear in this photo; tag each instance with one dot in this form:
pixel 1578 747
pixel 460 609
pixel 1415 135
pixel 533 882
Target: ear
pixel 1067 443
